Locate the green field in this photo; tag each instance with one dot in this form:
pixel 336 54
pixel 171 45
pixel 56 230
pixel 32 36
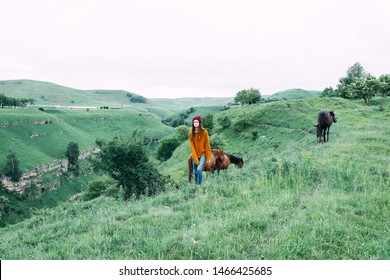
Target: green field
pixel 38 137
pixel 294 199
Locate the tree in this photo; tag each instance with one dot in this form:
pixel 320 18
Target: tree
pixel 384 81
pixel 126 161
pixel 248 96
pixel 182 132
pixel 208 122
pixel 138 99
pixel 72 154
pixel 4 205
pixel 328 92
pixel 364 87
pixel 167 146
pixel 354 72
pixel 12 168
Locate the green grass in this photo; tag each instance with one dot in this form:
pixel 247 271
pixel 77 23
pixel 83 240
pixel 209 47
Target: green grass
pixel 295 94
pixel 48 94
pixel 35 144
pixel 294 198
pixel 279 216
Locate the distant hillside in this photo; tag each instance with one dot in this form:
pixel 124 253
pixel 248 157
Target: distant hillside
pixel 193 102
pixel 48 94
pixel 294 94
pixel 39 137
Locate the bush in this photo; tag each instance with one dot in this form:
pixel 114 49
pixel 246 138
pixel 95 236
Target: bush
pixel 72 153
pixel 241 124
pixel 217 141
pixel 254 135
pixel 248 96
pixel 126 161
pixel 4 204
pixel 99 187
pixel 167 147
pixel 224 122
pixel 138 99
pixel 208 122
pixel 182 132
pixel 12 167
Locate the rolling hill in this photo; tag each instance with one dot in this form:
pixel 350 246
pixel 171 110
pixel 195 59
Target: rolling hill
pixel 31 133
pixel 48 94
pixel 294 198
pixel 294 94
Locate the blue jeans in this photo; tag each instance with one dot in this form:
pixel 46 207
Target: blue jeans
pixel 197 169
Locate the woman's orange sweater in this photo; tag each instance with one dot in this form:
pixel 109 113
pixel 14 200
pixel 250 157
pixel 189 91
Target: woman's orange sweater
pixel 200 145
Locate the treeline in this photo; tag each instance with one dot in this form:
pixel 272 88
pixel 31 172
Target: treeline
pixel 136 98
pixel 6 101
pixel 357 84
pixel 360 84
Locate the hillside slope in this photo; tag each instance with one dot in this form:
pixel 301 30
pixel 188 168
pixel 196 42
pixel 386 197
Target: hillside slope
pixel 295 94
pixel 38 137
pixel 48 94
pixel 294 198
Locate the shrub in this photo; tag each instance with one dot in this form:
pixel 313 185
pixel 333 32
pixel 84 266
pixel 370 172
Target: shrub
pixel 208 122
pixel 248 96
pixel 12 167
pixel 241 124
pixel 182 132
pixel 217 142
pixel 126 161
pixel 224 122
pixel 254 135
pixel 167 147
pixel 72 154
pixel 4 204
pixel 138 99
pixel 99 187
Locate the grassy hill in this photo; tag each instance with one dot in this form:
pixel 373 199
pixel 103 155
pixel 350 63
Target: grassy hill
pixel 31 133
pixel 48 94
pixel 186 103
pixel 294 94
pixel 38 137
pixel 294 198
pixel 41 137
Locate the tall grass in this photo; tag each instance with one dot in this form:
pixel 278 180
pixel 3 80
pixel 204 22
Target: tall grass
pixel 294 198
pixel 295 212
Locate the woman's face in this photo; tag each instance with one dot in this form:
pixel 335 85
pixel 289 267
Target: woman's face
pixel 195 123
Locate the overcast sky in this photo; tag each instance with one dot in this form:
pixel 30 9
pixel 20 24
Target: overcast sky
pixel 186 48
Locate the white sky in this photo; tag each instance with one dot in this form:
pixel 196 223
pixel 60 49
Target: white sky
pixel 187 48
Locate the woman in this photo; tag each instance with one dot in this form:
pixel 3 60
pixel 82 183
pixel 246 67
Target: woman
pixel 200 147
